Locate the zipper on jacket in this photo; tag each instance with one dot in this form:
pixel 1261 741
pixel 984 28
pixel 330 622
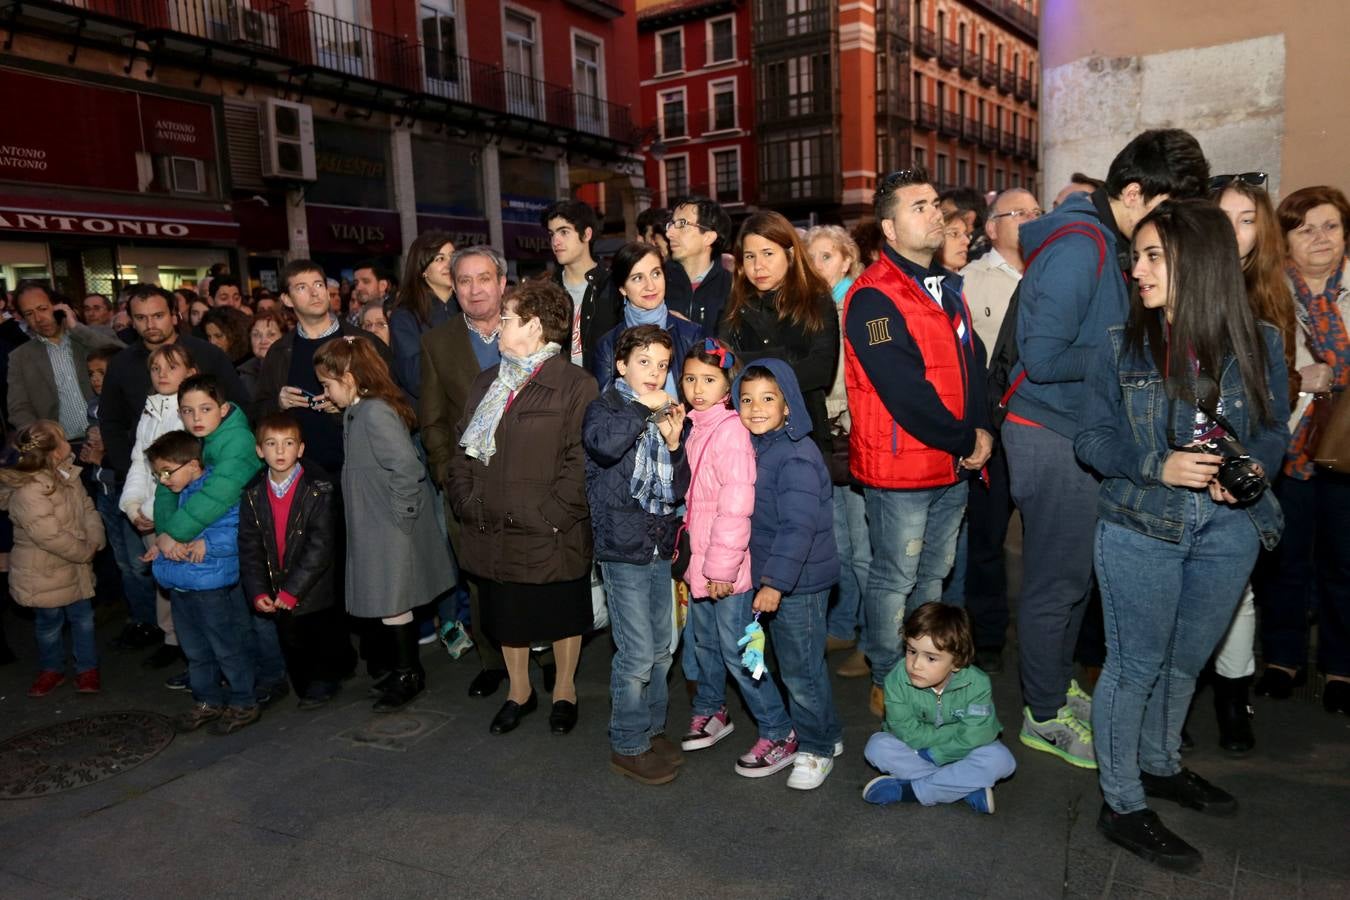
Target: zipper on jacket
pixel 267 557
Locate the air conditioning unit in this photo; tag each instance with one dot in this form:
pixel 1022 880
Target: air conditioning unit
pixel 188 175
pixel 254 27
pixel 288 140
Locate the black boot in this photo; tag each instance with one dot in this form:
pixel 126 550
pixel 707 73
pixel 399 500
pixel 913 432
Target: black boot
pixel 1235 714
pixel 407 679
pixel 6 654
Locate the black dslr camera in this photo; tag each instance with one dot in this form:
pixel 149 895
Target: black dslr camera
pixel 1238 473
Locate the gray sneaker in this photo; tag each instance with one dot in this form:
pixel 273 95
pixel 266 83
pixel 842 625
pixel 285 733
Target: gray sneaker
pixel 1078 702
pixel 1063 736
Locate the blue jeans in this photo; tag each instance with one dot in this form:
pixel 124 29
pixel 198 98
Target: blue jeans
pixel 913 546
pixel 52 646
pixel 214 632
pixel 264 647
pixel 1166 606
pixel 138 585
pixel 954 586
pixel 716 627
pixel 639 598
pixel 797 631
pixel 934 784
pixel 846 617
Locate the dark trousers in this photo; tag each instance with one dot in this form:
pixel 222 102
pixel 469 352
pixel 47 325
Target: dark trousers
pixel 489 651
pixel 316 647
pixel 988 511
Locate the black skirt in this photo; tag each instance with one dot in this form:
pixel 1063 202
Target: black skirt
pixel 519 615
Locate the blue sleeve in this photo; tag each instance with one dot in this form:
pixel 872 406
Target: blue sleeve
pixel 609 434
pixel 405 340
pixel 1268 442
pixel 798 508
pixel 1054 298
pixel 896 369
pixel 602 361
pixel 221 541
pixel 1105 442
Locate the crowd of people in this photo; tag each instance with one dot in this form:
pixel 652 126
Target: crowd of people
pixel 746 449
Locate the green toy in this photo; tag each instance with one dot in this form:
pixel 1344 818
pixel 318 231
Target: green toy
pixel 753 642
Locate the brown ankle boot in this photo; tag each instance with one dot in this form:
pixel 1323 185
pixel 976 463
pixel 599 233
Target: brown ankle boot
pixel 648 768
pixel 877 702
pixel 854 666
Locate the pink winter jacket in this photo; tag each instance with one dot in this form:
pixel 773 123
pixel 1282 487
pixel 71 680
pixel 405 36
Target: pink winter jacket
pixel 720 500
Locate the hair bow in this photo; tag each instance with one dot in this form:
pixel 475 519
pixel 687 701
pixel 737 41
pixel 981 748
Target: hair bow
pixel 725 358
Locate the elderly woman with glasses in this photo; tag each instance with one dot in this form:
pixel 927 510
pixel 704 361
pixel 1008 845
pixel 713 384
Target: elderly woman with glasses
pixel 518 486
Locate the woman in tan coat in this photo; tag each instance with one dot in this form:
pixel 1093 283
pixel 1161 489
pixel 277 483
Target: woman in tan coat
pixel 56 534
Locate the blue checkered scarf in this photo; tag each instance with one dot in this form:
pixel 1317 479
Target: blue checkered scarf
pixel 653 482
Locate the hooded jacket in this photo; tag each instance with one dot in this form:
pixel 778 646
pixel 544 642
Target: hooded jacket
pixel 720 501
pixel 230 455
pixel 56 533
pixel 220 568
pixel 792 531
pixel 159 417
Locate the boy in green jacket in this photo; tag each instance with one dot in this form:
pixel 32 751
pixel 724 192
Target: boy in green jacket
pixel 941 739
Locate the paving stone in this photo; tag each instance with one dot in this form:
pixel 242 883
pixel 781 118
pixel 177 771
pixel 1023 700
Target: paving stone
pixel 1250 886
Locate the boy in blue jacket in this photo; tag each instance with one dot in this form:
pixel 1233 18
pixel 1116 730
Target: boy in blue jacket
pixel 793 558
pixel 209 612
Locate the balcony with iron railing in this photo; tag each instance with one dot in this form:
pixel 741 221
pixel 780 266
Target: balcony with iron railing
pixel 950 55
pixel 780 109
pixel 988 73
pixel 1014 14
pixel 926 116
pixel 1007 143
pixel 970 130
pixel 893 21
pixel 792 26
pixel 895 104
pixel 1023 90
pixel 950 124
pixel 1007 81
pixel 970 62
pixel 925 42
pixel 989 137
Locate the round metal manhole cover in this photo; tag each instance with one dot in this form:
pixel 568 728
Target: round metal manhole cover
pixel 80 752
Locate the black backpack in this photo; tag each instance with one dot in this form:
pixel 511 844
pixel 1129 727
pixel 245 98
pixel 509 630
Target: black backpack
pixel 1003 358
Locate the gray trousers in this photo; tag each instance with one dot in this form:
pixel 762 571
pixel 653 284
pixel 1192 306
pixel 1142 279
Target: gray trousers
pixel 1057 497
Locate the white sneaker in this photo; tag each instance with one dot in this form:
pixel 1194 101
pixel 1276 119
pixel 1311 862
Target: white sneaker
pixel 809 771
pixel 838 749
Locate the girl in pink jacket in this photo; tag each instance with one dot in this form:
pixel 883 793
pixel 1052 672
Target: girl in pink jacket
pixel 720 501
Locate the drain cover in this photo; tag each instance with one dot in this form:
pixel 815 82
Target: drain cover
pixel 73 754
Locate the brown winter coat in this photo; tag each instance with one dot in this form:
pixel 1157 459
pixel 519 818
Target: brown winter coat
pixel 56 534
pixel 524 516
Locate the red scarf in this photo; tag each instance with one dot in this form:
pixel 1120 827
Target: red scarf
pixel 1330 344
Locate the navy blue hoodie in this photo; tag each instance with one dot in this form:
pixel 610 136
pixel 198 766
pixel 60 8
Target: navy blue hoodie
pixel 792 531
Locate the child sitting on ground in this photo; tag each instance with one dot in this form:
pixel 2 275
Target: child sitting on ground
pixel 941 739
pixel 287 541
pixel 209 612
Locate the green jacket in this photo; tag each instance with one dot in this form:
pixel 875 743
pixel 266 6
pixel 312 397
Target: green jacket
pixel 948 726
pixel 231 455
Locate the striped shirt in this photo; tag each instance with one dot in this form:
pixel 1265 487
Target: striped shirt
pixel 74 408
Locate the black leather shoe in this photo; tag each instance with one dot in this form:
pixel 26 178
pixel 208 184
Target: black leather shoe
pixel 1143 834
pixel 1336 697
pixel 165 656
pixel 400 690
pixel 486 682
pixel 1190 790
pixel 1277 684
pixel 563 718
pixel 1234 712
pixel 509 716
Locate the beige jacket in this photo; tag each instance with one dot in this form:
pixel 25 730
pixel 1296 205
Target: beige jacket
pixel 56 534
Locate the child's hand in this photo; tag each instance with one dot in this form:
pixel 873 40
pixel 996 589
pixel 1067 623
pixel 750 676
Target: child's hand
pixel 264 604
pixel 655 400
pixel 766 600
pixel 142 524
pixel 671 425
pixel 196 551
pixel 166 545
pixel 720 589
pixel 150 555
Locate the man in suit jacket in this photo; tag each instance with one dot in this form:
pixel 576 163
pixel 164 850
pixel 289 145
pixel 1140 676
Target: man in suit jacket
pixel 453 354
pixel 47 376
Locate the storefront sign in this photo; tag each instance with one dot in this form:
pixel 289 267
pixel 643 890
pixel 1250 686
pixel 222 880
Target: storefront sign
pixel 366 232
pixel 526 241
pixel 465 231
pixel 176 128
pixel 75 217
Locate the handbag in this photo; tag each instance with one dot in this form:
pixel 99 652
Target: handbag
pixel 1330 438
pixel 679 562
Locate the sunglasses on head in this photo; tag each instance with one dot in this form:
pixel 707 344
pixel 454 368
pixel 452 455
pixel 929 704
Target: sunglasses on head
pixel 902 177
pixel 1251 179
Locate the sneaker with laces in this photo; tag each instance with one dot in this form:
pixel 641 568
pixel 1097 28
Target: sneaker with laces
pixel 809 771
pixel 199 715
pixel 704 731
pixel 1079 702
pixel 1143 834
pixel 46 682
pixel 1191 791
pixel 982 801
pixel 234 718
pixel 767 757
pixel 88 682
pixel 887 789
pixel 179 682
pixel 1063 736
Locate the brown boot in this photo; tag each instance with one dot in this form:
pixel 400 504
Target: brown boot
pixel 668 750
pixel 648 768
pixel 855 666
pixel 833 643
pixel 877 702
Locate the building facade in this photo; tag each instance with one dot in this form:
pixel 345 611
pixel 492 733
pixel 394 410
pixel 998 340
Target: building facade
pixel 697 101
pixel 148 139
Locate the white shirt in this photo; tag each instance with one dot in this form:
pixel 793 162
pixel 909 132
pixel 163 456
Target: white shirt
pixel 989 285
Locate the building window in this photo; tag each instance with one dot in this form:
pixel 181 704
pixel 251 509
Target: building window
pixel 522 90
pixel 797 166
pixel 727 175
pixel 589 83
pixel 980 103
pixel 963 173
pixel 676 177
pixel 998 180
pixel 721 40
pixel 942 171
pixel 920 157
pixel 1016 179
pixel 440 55
pixel 672 114
pixel 723 105
pixel 983 44
pixel 672 51
pixel 941 24
pixel 795 87
pixel 981 178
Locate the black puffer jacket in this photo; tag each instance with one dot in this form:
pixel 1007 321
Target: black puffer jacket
pixel 311 541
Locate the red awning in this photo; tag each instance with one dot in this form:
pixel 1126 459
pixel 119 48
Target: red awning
pixel 100 218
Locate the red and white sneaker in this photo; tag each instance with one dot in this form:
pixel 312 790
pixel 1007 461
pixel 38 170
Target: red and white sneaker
pixel 46 682
pixel 704 731
pixel 88 682
pixel 767 757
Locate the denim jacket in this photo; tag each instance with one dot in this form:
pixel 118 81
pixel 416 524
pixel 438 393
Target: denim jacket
pixel 1123 436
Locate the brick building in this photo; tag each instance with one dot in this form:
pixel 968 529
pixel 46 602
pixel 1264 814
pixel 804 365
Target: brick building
pixel 148 139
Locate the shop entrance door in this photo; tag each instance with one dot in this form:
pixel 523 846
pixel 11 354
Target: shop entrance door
pixel 79 269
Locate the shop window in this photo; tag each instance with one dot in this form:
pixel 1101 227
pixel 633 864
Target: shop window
pixel 189 175
pixel 443 189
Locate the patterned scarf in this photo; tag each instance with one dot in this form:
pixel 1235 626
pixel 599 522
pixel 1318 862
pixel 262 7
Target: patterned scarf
pixel 1326 332
pixel 480 438
pixel 653 474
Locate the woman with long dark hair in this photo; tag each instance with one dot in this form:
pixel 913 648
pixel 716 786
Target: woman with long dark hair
pixel 779 307
pixel 1189 374
pixel 426 298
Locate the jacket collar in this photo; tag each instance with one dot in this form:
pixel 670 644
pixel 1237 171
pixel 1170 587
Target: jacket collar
pixel 1101 206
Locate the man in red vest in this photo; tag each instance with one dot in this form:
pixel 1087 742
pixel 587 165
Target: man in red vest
pixel 915 374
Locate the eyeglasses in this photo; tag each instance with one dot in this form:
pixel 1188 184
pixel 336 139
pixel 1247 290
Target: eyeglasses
pixel 166 474
pixel 1251 179
pixel 1020 213
pixel 682 224
pixel 505 318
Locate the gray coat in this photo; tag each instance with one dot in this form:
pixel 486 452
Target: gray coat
pixel 397 556
pixel 32 385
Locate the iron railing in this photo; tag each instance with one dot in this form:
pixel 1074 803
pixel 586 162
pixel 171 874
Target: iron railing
pixel 950 125
pixel 970 62
pixel 925 42
pixel 989 73
pixel 951 54
pixel 925 116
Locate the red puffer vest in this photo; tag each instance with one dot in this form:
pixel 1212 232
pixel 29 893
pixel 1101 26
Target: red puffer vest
pixel 881 453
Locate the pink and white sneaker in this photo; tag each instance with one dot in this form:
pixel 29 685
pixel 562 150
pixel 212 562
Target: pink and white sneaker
pixel 767 757
pixel 704 731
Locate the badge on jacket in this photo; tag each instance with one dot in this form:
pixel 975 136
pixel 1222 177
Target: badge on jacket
pixel 878 332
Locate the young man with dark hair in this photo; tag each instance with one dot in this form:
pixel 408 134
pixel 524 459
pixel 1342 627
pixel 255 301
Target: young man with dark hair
pixel 699 232
pixel 651 228
pixel 571 227
pixel 225 291
pixel 371 283
pixel 1075 287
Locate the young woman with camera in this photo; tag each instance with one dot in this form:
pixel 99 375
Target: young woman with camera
pixel 1185 413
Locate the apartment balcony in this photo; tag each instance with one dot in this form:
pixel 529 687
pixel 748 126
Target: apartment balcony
pixel 989 137
pixel 1026 149
pixel 787 110
pixel 989 73
pixel 332 46
pixel 1007 81
pixel 793 26
pixel 925 42
pixel 1023 91
pixel 1015 16
pixel 970 63
pixel 950 56
pixel 1007 143
pixel 926 116
pixel 895 105
pixel 950 124
pixel 970 131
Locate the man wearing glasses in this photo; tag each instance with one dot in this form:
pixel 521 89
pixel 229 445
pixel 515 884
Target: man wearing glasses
pixel 699 233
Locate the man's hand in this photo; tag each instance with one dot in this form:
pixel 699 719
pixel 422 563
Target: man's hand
pixel 291 398
pixel 984 447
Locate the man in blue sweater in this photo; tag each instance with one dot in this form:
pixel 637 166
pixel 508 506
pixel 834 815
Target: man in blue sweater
pixel 1075 287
